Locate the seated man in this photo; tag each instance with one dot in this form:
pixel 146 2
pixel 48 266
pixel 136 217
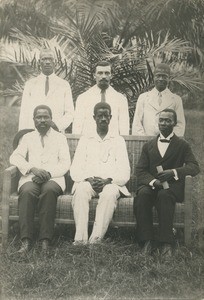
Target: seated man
pixel 42 157
pixel 100 167
pixel 162 189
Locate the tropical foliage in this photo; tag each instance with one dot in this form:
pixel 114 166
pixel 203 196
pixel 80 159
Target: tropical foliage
pixel 128 33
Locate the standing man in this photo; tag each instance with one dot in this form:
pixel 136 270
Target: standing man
pixel 151 103
pixel 49 89
pixel 162 189
pixel 100 167
pixel 83 120
pixel 43 158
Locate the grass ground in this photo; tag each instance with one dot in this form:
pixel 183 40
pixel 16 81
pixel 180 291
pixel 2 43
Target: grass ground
pixel 115 269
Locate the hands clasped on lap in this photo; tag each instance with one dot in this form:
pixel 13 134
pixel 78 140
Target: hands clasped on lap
pixel 40 175
pixel 98 183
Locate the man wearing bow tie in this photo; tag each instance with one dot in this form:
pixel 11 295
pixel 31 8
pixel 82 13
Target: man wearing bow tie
pixel 48 89
pixel 151 103
pixel 164 163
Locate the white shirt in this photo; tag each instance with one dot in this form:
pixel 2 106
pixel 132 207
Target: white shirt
pixel 163 146
pixel 54 157
pixel 59 99
pixel 147 111
pixel 83 119
pixel 105 158
pixel 162 150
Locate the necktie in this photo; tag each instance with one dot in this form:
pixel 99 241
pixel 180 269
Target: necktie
pixel 160 99
pixel 164 141
pixel 103 95
pixel 46 85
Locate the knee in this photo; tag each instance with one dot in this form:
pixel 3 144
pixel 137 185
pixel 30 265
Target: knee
pixel 26 190
pixel 111 190
pixel 144 196
pixel 50 188
pixel 83 187
pixel 165 195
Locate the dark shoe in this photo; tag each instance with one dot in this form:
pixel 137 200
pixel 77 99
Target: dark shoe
pixel 166 251
pixel 147 248
pixel 45 247
pixel 25 247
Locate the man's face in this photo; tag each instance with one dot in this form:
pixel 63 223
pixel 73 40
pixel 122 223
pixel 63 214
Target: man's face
pixel 103 76
pixel 161 81
pixel 47 63
pixel 42 120
pixel 166 123
pixel 102 118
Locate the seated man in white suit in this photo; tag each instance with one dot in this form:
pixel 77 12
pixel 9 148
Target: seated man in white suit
pixel 43 159
pixel 100 167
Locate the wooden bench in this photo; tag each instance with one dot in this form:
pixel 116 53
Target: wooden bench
pixel 123 215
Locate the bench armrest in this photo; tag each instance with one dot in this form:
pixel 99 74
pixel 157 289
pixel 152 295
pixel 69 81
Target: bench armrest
pixel 10 183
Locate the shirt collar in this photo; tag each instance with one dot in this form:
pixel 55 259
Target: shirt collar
pixel 167 138
pixel 99 90
pixel 50 76
pixel 98 138
pixel 162 93
pixel 47 134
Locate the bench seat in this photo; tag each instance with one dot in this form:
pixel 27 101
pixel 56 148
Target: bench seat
pixel 123 215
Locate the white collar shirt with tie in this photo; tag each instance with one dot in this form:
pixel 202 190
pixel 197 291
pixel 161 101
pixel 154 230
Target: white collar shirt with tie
pixel 57 95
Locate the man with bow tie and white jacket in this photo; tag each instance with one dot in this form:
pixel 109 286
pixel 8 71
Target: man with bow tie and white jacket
pixel 151 103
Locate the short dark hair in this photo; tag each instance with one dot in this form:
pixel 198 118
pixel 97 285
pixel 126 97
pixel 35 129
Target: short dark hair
pixel 102 105
pixel 102 63
pixel 42 106
pixel 171 111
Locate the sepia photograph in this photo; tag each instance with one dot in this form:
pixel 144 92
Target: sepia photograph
pixel 101 150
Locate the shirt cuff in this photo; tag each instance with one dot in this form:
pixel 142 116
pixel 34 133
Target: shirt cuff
pixel 152 184
pixel 175 174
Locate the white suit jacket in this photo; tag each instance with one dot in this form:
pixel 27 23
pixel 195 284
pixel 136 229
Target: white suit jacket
pixel 59 99
pixel 105 158
pixel 54 157
pixel 83 119
pixel 145 120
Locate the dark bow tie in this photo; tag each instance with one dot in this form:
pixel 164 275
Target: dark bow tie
pixel 164 141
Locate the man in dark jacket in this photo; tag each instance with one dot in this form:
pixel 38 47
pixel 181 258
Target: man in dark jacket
pixel 164 163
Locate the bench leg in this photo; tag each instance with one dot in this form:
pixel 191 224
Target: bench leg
pixel 5 225
pixel 188 211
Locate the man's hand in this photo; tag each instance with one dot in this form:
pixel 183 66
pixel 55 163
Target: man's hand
pixel 43 175
pixel 157 184
pixel 165 175
pixel 98 183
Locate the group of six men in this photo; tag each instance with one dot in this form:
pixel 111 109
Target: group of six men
pixel 100 165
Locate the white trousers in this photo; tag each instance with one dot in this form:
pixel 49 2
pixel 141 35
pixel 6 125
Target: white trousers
pixel 104 211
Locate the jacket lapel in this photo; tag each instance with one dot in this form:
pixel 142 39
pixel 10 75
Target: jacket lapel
pixel 171 148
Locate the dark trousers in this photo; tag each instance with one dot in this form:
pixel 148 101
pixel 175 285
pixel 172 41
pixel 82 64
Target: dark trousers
pixel 42 197
pixel 164 202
